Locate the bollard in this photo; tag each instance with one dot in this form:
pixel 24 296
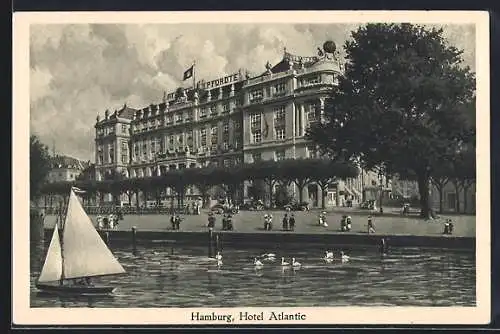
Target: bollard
pixel 210 236
pixel 134 232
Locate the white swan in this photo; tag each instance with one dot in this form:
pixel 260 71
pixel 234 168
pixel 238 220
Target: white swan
pixel 218 256
pixel 257 263
pixel 295 264
pixel 284 263
pixel 344 257
pixel 328 255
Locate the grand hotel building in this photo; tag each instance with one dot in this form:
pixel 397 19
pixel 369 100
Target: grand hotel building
pixel 227 121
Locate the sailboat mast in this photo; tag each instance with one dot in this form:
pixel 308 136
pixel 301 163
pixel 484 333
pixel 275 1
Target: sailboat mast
pixel 63 223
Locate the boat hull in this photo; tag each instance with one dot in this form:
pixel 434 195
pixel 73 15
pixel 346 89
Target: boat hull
pixel 76 289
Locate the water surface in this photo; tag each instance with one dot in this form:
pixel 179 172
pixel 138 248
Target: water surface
pixel 161 276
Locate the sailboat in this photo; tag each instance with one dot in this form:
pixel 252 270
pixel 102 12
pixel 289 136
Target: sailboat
pixel 79 254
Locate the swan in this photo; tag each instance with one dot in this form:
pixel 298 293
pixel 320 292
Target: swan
pixel 284 263
pixel 257 263
pixel 344 257
pixel 295 264
pixel 218 256
pixel 328 255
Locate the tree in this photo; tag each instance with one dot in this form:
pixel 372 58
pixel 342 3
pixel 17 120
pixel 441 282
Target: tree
pixel 39 166
pixel 463 175
pixel 401 101
pixel 328 172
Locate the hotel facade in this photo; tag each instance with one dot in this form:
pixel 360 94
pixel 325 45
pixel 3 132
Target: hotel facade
pixel 228 121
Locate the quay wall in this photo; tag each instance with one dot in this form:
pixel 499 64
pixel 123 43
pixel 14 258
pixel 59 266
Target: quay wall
pixel 277 238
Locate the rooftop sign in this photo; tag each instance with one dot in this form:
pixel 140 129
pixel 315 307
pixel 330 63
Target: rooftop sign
pixel 202 84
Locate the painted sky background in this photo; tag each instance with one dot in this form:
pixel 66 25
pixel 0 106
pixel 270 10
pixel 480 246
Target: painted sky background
pixel 78 71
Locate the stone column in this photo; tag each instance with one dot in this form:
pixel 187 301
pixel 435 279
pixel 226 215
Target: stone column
pixel 302 120
pixel 322 110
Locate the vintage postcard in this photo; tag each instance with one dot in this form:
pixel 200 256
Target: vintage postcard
pixel 251 168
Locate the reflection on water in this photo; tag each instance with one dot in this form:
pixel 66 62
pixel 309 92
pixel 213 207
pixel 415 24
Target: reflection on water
pixel 158 277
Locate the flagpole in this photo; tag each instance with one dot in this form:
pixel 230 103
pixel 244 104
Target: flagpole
pixel 194 75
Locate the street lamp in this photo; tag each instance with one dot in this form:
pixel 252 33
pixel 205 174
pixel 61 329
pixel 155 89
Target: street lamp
pixel 381 175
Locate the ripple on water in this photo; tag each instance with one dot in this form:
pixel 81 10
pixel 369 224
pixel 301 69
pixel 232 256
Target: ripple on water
pixel 407 277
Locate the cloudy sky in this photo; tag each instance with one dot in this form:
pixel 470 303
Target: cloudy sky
pixel 78 71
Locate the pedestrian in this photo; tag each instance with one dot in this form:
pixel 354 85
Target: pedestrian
pixel 224 222
pixel 291 222
pixel 177 222
pixel 371 226
pixel 173 220
pixel 211 220
pixel 229 222
pixel 285 222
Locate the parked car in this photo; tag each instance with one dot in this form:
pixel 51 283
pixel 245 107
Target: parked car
pixel 220 209
pixel 368 205
pixel 296 206
pixel 253 206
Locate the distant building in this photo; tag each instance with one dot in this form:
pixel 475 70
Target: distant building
pixel 228 121
pixel 466 199
pixel 64 168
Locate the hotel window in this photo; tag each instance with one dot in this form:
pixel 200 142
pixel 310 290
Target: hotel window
pixel 311 113
pixel 280 155
pixel 171 141
pixel 226 126
pixel 180 139
pixel 314 80
pixel 178 118
pixel 144 150
pixel 256 95
pixel 225 145
pixel 100 156
pixel 136 151
pixel 255 121
pixel 189 116
pixel 111 157
pixel 237 143
pixel 225 108
pixel 124 128
pixel 203 137
pixel 153 147
pixel 213 110
pixel 280 132
pixel 203 112
pixel 237 125
pixel 213 135
pixel 169 119
pixel 256 157
pixel 280 88
pixel 256 136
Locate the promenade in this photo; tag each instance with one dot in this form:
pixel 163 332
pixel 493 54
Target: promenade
pixel 390 223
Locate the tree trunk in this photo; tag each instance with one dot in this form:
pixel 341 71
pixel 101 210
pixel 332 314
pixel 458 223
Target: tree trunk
pixel 466 188
pixel 423 189
pixel 457 196
pixel 440 189
pixel 270 183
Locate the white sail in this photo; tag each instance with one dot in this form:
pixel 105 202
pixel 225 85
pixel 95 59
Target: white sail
pixel 85 253
pixel 52 268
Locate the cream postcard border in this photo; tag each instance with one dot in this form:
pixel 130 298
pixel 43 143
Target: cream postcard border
pixel 24 315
